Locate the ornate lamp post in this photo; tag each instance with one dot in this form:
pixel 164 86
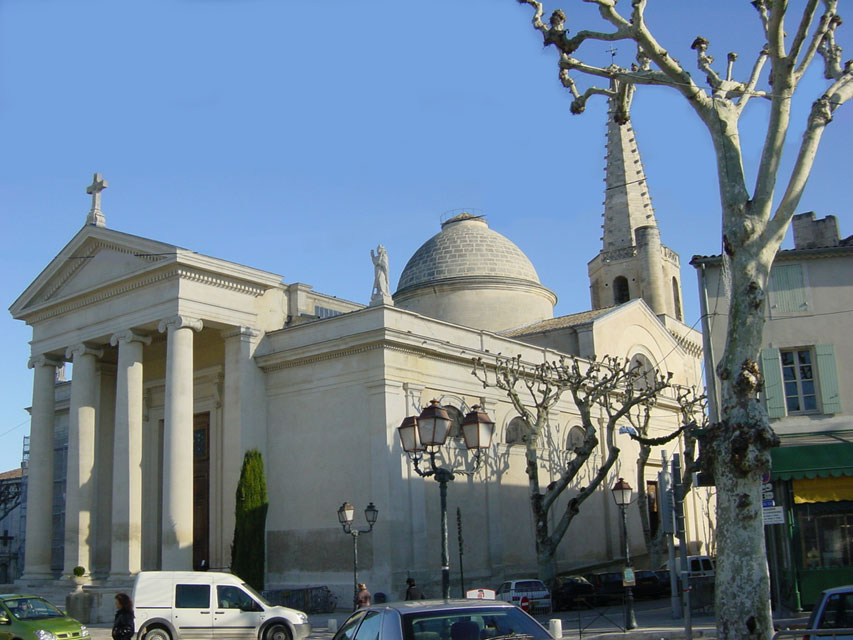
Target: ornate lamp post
pixel 345 516
pixel 425 435
pixel 623 495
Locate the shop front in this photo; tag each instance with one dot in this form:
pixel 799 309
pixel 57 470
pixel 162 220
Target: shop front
pixel 813 549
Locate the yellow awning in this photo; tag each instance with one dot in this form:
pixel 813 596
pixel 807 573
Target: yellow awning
pixel 810 490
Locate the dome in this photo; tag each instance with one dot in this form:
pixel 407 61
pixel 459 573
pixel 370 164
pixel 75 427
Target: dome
pixel 466 257
pixel 466 247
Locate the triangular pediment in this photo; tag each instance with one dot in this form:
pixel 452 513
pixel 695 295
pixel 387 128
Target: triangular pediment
pixel 94 258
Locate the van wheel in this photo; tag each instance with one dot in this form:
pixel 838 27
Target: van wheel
pixel 156 633
pixel 277 631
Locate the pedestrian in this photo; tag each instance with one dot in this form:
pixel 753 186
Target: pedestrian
pixel 412 591
pixel 123 626
pixel 362 598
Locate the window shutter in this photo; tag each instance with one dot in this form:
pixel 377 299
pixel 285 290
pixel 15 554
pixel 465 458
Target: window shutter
pixel 827 379
pixel 787 288
pixel 774 395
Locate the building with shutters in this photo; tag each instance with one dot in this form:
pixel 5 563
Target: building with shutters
pixel 806 359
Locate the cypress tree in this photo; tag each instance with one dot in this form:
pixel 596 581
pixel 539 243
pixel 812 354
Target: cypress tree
pixel 248 548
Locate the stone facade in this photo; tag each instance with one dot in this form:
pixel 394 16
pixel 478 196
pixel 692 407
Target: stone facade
pixel 182 362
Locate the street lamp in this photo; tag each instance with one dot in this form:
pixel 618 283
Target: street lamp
pixel 345 516
pixel 426 434
pixel 622 495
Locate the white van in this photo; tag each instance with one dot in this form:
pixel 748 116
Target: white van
pixel 190 605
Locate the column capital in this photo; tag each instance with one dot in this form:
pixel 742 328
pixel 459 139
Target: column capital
pixel 179 322
pixel 129 336
pixel 44 361
pixel 82 349
pixel 243 332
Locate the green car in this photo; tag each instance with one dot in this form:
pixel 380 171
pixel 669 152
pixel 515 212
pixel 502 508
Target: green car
pixel 25 617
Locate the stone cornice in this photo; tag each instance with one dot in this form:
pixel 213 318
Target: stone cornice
pixel 689 346
pixel 126 287
pixel 272 363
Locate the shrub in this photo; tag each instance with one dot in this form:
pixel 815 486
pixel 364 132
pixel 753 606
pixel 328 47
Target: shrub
pixel 248 547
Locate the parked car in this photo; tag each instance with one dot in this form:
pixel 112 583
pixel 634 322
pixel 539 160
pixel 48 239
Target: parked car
pixel 535 591
pixel 666 583
pixel 833 611
pixel 31 617
pixel 697 566
pixel 572 591
pixel 608 586
pixel 441 620
pixel 176 605
pixel 649 584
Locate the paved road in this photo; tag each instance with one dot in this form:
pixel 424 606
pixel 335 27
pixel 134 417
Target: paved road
pixel 654 621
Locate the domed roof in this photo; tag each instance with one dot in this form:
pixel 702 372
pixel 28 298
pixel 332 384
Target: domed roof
pixel 465 248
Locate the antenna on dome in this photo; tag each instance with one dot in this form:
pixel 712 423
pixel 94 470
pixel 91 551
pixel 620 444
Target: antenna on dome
pixel 465 213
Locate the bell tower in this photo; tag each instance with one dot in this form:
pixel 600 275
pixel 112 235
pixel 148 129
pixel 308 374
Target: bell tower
pixel 632 262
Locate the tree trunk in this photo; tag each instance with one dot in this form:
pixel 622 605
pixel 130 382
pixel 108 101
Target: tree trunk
pixel 740 453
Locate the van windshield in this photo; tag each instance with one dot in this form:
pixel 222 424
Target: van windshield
pixel 256 595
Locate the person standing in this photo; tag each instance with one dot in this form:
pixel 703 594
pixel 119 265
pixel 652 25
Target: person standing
pixel 362 598
pixel 123 625
pixel 412 591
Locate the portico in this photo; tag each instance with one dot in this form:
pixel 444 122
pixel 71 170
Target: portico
pixel 126 312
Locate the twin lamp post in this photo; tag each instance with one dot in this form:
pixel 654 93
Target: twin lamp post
pixel 425 435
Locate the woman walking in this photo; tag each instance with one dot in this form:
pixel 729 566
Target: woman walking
pixel 123 626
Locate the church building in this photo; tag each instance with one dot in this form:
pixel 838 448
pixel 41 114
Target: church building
pixel 182 362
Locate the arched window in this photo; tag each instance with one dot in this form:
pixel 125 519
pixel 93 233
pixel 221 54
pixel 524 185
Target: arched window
pixel 517 431
pixel 620 290
pixel 676 301
pixel 455 414
pixel 575 439
pixel 644 372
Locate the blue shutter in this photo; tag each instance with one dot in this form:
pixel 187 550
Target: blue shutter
pixel 774 396
pixel 827 378
pixel 787 290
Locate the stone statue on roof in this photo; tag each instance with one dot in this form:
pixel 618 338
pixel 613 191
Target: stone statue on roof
pixel 381 293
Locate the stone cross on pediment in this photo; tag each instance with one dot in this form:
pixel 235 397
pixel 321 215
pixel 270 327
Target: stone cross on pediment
pixel 96 217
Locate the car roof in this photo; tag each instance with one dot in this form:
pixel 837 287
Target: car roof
pixel 406 606
pixel 845 589
pixel 3 596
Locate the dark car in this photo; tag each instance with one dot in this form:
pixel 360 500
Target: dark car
pixel 441 620
pixel 608 586
pixel 572 591
pixel 648 584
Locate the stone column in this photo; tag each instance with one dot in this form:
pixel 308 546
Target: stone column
pixel 126 550
pixel 79 493
pixel 243 428
pixel 40 470
pixel 177 542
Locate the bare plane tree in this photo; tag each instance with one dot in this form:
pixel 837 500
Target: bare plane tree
pixel 753 228
pixel 694 419
pixel 605 392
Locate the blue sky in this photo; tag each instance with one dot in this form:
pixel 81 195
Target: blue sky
pixel 296 136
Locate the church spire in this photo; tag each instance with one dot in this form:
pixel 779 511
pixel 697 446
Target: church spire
pixel 627 205
pixel 632 262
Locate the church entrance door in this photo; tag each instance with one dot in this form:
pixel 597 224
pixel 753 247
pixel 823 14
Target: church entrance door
pixel 201 490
